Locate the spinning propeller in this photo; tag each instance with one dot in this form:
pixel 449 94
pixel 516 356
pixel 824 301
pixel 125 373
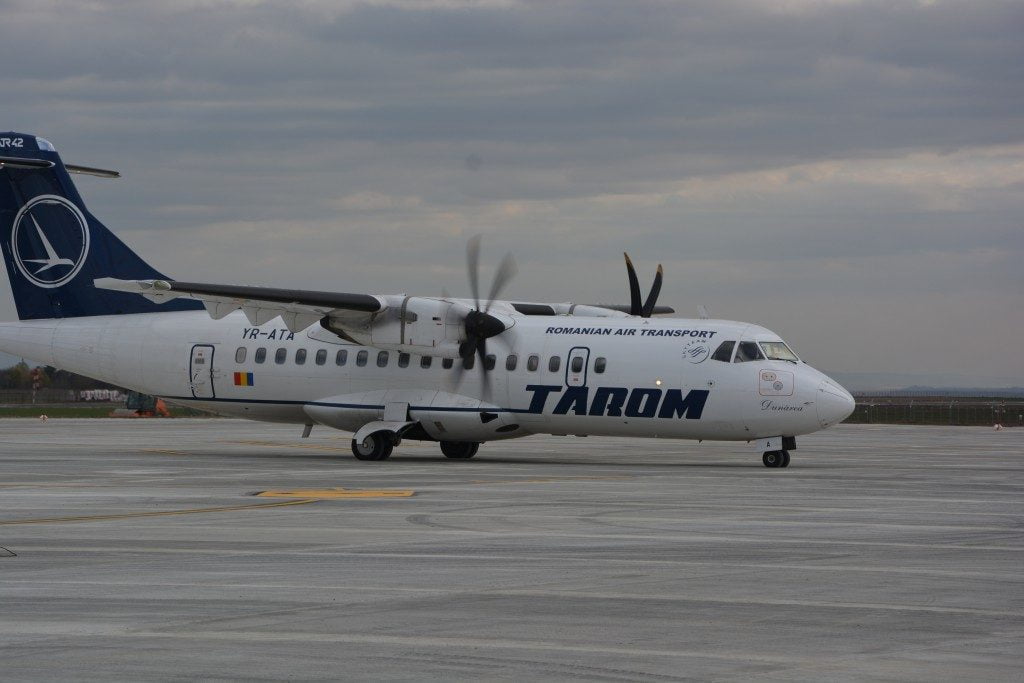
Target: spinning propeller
pixel 635 307
pixel 479 324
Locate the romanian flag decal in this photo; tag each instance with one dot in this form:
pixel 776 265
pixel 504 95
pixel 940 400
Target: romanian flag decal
pixel 243 379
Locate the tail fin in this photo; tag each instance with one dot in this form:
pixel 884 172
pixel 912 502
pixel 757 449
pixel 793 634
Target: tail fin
pixel 54 248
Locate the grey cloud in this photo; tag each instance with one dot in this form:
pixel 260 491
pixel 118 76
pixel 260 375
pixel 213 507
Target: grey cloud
pixel 329 144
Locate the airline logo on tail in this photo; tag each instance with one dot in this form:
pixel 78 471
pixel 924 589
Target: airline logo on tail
pixel 50 241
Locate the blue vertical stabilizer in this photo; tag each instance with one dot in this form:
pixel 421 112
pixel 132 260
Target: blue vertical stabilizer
pixel 54 248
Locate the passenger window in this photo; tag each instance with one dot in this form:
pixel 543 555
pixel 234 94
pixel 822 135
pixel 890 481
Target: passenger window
pixel 511 361
pixel 261 355
pixel 748 351
pixel 361 357
pixel 554 363
pixel 447 363
pixel 425 361
pixel 724 351
pixel 240 354
pixel 532 363
pixel 599 364
pixel 341 357
pixel 489 361
pixel 468 362
pixel 382 359
pixel 321 356
pixel 403 360
pixel 280 356
pixel 577 364
pixel 300 357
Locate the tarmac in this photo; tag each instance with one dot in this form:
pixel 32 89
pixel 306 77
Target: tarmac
pixel 137 551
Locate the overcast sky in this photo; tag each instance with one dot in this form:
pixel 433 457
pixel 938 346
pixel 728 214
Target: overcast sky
pixel 849 174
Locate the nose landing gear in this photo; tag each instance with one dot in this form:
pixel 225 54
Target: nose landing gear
pixel 775 459
pixel 459 450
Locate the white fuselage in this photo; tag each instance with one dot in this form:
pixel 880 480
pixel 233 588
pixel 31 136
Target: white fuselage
pixel 658 378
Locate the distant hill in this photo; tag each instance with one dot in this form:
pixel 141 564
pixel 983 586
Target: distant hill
pixel 941 383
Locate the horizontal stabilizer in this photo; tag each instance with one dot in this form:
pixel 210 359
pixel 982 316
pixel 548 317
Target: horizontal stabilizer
pixel 17 162
pixel 89 170
pixel 31 164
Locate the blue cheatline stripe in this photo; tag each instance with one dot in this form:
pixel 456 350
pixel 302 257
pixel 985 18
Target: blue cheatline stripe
pixel 362 406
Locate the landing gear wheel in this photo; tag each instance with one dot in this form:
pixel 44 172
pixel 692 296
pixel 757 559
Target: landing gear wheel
pixel 459 450
pixel 785 459
pixel 374 447
pixel 772 458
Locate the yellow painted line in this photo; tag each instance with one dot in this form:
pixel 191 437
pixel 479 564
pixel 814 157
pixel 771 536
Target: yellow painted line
pixel 162 513
pixel 164 451
pixel 319 494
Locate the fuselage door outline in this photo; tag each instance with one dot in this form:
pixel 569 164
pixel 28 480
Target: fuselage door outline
pixel 577 378
pixel 200 371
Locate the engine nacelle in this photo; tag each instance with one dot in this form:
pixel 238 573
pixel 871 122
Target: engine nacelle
pixel 419 325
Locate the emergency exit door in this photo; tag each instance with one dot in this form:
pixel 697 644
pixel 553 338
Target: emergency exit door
pixel 576 367
pixel 200 371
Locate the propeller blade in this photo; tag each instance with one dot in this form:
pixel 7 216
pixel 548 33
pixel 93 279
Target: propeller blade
pixel 473 265
pixel 652 298
pixel 634 287
pixel 506 271
pixel 485 375
pixel 466 351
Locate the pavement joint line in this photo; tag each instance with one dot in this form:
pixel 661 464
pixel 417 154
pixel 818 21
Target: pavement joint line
pixel 274 444
pixel 459 642
pixel 332 493
pixel 159 513
pixel 551 480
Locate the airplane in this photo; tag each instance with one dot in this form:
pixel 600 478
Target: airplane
pixel 388 367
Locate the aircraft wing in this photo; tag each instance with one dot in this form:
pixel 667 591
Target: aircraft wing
pixel 352 316
pixel 599 310
pixel 298 308
pixel 625 308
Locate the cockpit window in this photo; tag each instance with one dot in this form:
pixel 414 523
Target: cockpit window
pixel 778 351
pixel 747 351
pixel 724 351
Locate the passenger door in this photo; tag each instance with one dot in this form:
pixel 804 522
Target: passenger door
pixel 200 371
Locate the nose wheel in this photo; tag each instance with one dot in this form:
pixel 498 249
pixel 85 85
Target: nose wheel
pixel 459 450
pixel 775 459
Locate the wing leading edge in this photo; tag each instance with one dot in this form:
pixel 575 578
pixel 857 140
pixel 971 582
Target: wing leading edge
pixel 301 308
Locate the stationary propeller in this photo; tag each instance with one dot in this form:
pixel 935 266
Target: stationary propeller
pixel 480 325
pixel 635 307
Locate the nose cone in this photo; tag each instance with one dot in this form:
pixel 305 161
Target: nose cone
pixel 835 404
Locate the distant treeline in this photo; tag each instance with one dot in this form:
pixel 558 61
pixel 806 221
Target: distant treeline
pixel 957 392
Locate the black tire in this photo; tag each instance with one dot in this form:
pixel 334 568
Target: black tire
pixel 772 458
pixel 459 450
pixel 374 447
pixel 785 459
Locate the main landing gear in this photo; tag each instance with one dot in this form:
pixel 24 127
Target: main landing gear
pixel 775 458
pixel 459 450
pixel 377 446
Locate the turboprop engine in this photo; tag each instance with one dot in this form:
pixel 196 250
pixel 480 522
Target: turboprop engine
pixel 420 325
